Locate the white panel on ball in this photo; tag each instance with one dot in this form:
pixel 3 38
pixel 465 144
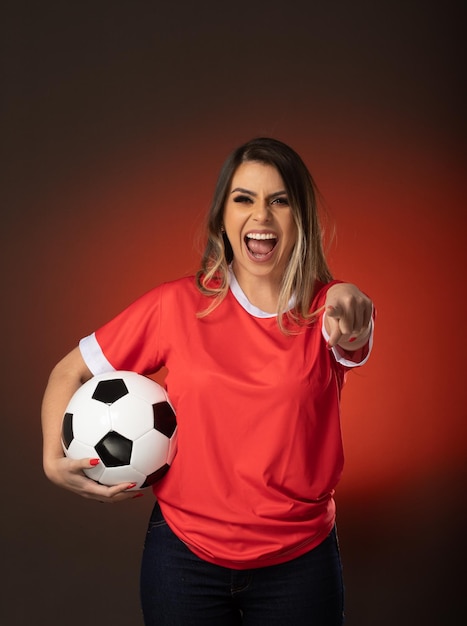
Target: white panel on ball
pixel 132 416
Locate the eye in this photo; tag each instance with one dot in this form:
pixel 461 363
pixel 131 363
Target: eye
pixel 243 199
pixel 281 201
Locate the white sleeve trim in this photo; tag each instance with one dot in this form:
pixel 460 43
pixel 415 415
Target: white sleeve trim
pixel 93 356
pixel 342 360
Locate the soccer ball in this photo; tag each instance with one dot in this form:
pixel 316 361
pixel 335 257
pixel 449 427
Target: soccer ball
pixel 126 420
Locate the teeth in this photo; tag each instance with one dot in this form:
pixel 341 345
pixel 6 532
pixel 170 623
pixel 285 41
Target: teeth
pixel 261 236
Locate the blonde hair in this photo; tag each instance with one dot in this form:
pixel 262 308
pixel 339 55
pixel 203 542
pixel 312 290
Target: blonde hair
pixel 307 262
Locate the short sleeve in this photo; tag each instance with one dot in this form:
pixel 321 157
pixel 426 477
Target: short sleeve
pixel 130 341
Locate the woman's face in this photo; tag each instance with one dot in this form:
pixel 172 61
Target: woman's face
pixel 259 222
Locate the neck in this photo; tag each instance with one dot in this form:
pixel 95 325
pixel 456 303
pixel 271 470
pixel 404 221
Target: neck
pixel 261 291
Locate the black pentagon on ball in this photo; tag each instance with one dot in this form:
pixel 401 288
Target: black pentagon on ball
pixel 164 418
pixel 114 449
pixel 155 476
pixel 109 391
pixel 67 429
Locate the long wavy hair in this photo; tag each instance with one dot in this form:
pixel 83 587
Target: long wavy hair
pixel 307 262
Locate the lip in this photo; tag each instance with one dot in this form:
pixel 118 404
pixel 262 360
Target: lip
pixel 260 235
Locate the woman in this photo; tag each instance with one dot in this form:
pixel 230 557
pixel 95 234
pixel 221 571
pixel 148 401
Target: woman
pixel 257 346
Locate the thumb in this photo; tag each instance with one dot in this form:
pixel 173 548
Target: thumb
pixel 334 312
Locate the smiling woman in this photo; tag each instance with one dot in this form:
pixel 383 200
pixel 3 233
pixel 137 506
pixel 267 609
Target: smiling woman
pixel 269 179
pixel 257 346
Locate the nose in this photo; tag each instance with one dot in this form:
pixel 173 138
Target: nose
pixel 261 212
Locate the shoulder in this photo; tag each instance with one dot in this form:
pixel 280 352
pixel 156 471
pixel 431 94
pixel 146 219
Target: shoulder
pixel 161 297
pixel 180 287
pixel 185 283
pixel 182 295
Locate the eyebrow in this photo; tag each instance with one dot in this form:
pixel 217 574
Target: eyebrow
pixel 242 190
pixel 252 193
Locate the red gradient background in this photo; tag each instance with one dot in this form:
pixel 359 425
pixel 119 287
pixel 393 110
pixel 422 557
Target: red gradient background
pixel 116 118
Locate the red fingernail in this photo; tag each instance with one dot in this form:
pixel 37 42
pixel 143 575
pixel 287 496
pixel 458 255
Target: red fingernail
pixel 131 485
pixel 352 339
pixel 328 346
pixel 138 495
pixel 94 462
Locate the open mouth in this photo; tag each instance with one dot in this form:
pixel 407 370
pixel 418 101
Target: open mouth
pixel 260 245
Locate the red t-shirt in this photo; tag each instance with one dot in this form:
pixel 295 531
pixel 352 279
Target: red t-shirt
pixel 259 439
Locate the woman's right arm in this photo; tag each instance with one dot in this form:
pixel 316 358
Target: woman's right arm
pixel 66 377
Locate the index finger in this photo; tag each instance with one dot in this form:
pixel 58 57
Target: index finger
pixel 333 329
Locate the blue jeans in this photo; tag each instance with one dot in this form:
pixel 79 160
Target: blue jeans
pixel 180 589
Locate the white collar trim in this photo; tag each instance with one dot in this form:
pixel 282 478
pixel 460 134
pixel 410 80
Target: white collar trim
pixel 241 298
